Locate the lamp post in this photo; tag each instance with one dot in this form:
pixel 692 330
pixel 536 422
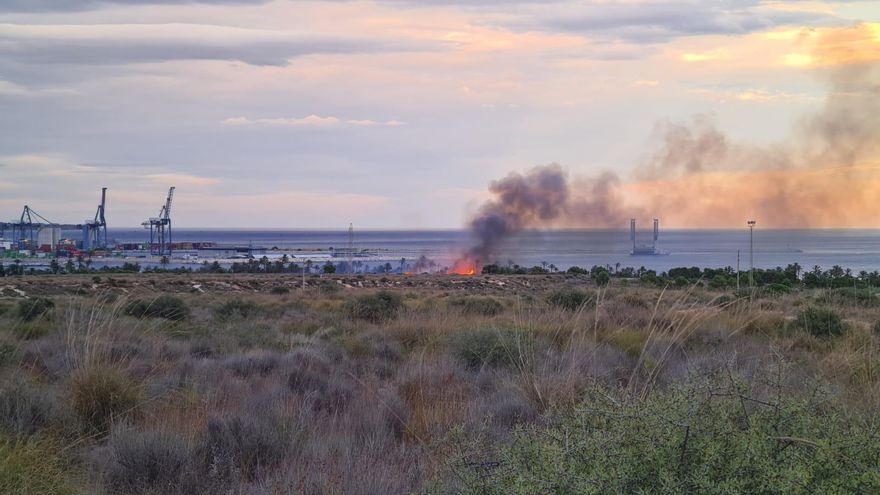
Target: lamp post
pixel 751 224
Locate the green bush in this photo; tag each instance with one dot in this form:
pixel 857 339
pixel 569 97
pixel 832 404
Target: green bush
pixel 719 282
pixel 488 347
pixel 602 278
pixel 31 309
pixel 375 308
pixel 688 439
pixel 32 330
pixel 329 287
pixel 680 282
pixel 777 289
pixel 100 396
pixel 32 466
pixel 854 296
pixel 821 322
pixel 164 306
pixel 877 329
pixel 236 309
pixel 569 299
pixel 475 305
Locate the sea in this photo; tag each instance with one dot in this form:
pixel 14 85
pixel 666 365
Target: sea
pixel 857 249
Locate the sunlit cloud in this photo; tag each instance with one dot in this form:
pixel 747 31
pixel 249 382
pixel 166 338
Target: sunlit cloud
pixel 309 121
pixel 701 57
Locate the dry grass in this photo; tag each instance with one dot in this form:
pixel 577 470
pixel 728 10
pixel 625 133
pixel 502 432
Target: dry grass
pixel 295 392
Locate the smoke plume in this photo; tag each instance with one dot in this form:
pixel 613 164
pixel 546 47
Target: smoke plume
pixel 827 174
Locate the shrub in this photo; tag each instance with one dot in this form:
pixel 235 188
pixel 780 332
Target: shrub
pixel 151 461
pixel 8 354
pixel 602 278
pixel 236 309
pixel 164 306
pixel 854 296
pixel 375 308
pixel 777 289
pixel 485 306
pixel 329 287
pixel 311 377
pixel 32 330
pixel 99 396
pixel 31 309
pixel 486 347
pixel 681 282
pixel 244 446
pixel 821 322
pixel 32 466
pixel 246 366
pixel 689 439
pixel 25 409
pixel 280 290
pixel 719 282
pixel 569 299
pixel 877 329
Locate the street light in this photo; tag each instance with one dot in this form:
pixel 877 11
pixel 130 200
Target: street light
pixel 751 253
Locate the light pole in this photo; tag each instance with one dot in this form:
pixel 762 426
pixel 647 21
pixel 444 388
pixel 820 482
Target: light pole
pixel 751 253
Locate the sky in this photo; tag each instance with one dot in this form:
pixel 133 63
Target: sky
pixel 400 113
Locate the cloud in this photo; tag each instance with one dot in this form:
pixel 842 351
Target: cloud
pixel 369 123
pixel 80 5
pixel 657 22
pixel 310 121
pixel 109 44
pixel 9 88
pixel 182 179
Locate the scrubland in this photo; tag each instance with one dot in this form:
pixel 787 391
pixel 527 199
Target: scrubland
pixel 565 388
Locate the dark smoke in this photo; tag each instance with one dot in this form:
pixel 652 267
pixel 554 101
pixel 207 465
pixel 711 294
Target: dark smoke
pixel 826 174
pixel 539 196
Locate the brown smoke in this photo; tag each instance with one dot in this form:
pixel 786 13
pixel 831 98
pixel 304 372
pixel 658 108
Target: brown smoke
pixel 826 175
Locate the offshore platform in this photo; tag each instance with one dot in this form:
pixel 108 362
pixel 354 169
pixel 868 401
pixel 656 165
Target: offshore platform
pixel 645 249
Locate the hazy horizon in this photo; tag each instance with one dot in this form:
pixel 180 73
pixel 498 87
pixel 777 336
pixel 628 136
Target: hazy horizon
pixel 402 114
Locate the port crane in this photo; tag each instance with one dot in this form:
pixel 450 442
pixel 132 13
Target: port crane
pixel 25 232
pixel 95 231
pixel 160 228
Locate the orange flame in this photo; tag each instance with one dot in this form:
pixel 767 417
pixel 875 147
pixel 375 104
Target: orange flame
pixel 463 266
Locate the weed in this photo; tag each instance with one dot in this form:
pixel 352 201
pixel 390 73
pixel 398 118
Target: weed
pixel 821 322
pixel 486 347
pixel 31 309
pixel 32 330
pixel 475 305
pixel 569 299
pixel 25 408
pixel 149 461
pixel 236 309
pixel 375 308
pixel 243 446
pixel 164 306
pixel 682 441
pixel 32 466
pixel 101 395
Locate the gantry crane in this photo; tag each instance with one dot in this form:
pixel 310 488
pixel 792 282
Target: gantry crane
pixel 26 230
pixel 160 228
pixel 95 231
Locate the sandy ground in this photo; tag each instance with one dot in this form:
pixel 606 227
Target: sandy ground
pixel 47 285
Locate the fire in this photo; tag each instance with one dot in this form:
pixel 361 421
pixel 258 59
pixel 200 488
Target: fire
pixel 463 266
